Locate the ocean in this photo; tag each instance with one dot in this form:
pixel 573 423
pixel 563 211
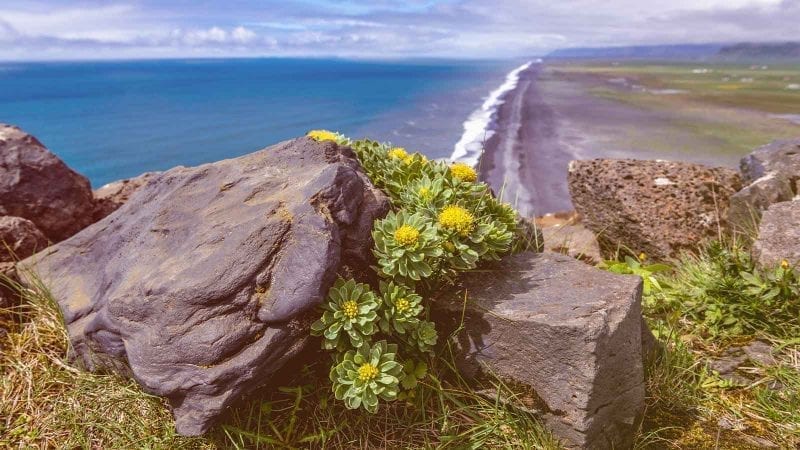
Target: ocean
pixel 113 120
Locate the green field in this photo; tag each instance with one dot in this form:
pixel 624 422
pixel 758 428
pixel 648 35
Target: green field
pixel 737 106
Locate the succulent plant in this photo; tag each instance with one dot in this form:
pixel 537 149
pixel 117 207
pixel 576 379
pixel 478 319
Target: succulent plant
pixel 399 309
pixel 424 336
pixel 349 311
pixel 405 246
pixel 367 374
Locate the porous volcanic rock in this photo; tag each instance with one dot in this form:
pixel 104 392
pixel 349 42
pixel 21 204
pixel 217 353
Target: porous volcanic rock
pixel 779 235
pixel 111 196
pixel 656 207
pixel 36 185
pixel 205 282
pixel 568 331
pixel 19 238
pixel 772 175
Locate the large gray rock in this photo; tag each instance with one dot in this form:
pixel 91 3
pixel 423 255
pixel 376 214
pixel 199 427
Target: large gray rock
pixel 779 235
pixel 771 174
pixel 656 207
pixel 569 331
pixel 36 185
pixel 19 238
pixel 205 282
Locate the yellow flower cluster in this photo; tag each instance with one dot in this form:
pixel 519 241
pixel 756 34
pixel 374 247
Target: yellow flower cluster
pixel 322 135
pixel 784 264
pixel 350 309
pixel 398 153
pixel 424 193
pixel 457 219
pixel 464 172
pixel 402 305
pixel 406 235
pixel 367 372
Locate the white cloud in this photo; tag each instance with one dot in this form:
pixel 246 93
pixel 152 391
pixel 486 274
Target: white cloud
pixel 378 28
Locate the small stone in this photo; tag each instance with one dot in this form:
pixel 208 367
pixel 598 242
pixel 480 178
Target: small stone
pixel 760 352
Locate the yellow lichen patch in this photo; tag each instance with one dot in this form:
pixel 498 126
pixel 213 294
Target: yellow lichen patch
pixel 367 372
pixel 406 235
pixel 322 135
pixel 458 219
pixel 398 153
pixel 350 309
pixel 463 172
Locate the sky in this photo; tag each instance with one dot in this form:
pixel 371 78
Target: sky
pixel 109 29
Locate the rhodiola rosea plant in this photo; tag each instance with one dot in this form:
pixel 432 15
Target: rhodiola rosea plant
pixel 443 221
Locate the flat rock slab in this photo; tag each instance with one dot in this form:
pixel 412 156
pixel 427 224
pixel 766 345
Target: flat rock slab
pixel 569 331
pixel 656 207
pixel 779 235
pixel 203 284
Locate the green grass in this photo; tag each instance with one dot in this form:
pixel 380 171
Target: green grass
pixel 704 307
pixel 45 402
pixel 719 110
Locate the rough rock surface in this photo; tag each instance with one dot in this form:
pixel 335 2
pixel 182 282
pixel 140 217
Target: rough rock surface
pixel 779 235
pixel 569 331
pixel 111 196
pixel 36 185
pixel 204 283
pixel 772 175
pixel 656 207
pixel 19 238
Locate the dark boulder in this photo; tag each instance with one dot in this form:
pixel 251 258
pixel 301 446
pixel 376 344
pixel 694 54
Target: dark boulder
pixel 656 207
pixel 568 331
pixel 205 282
pixel 36 185
pixel 19 238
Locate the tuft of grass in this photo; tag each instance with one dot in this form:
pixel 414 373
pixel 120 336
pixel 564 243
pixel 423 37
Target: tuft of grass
pixel 47 403
pixel 711 302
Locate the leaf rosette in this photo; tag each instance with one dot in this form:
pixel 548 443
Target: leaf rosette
pixel 350 313
pixel 406 246
pixel 400 308
pixel 367 374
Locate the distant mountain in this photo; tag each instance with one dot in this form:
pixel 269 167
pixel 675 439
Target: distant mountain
pixel 746 51
pixel 678 51
pixel 749 50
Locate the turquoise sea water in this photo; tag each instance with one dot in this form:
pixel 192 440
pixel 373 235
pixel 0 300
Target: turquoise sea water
pixel 112 120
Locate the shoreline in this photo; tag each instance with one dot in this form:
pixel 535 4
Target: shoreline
pixel 524 161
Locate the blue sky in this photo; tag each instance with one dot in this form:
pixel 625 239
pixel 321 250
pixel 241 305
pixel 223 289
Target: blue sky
pixel 94 29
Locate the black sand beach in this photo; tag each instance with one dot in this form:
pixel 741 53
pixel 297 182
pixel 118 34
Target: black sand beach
pixel 551 117
pixel 524 160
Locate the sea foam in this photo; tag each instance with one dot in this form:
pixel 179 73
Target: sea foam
pixel 479 127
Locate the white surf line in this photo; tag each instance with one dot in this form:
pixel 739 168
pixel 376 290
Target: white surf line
pixel 477 130
pixel 519 196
